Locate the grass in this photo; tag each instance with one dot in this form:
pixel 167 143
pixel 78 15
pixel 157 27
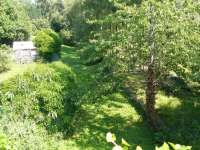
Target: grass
pixel 119 114
pixel 112 113
pixel 179 112
pixel 15 69
pixel 181 118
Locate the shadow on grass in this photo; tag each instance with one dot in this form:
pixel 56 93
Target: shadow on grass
pixel 70 55
pixel 114 115
pixel 181 112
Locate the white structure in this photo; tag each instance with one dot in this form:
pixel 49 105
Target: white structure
pixel 24 51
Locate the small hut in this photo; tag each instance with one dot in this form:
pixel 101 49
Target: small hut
pixel 24 52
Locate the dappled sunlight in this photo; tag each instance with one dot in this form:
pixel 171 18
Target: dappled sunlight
pixel 167 101
pixel 181 118
pixel 129 68
pixel 124 121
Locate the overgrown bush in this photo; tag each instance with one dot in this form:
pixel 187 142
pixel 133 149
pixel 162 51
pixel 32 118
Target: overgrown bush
pixel 58 23
pixel 4 144
pixel 44 94
pixel 47 42
pixel 4 58
pixel 25 134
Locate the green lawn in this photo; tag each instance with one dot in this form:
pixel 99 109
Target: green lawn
pixel 179 113
pixel 113 113
pixel 121 115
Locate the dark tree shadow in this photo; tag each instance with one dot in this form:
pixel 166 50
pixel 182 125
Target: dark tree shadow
pixel 183 121
pixel 110 116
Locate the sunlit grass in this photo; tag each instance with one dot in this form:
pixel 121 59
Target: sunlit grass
pixel 117 114
pixel 170 101
pixel 113 114
pixel 14 70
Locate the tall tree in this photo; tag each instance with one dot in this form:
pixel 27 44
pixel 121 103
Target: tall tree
pixel 45 7
pixel 163 36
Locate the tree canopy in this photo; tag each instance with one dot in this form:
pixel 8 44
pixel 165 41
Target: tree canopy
pixel 14 22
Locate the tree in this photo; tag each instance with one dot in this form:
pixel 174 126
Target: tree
pixel 162 36
pixel 14 23
pixel 31 9
pixel 45 7
pixel 169 44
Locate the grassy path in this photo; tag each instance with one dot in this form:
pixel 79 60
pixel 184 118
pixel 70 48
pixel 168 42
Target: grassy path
pixel 113 113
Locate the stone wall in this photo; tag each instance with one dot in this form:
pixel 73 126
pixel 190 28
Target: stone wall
pixel 25 56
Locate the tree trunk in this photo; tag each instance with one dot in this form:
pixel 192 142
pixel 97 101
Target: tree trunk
pixel 150 98
pixel 151 76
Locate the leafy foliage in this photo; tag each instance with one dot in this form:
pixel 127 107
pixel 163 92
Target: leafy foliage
pixel 149 35
pixel 4 142
pixel 26 134
pixel 38 95
pixel 47 42
pixel 15 24
pixel 110 138
pixel 39 24
pixel 4 58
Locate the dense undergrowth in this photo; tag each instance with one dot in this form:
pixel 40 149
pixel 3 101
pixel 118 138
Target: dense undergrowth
pixel 41 98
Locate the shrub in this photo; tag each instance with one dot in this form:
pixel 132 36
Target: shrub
pixel 4 142
pixel 66 36
pixel 25 134
pixel 58 23
pixel 4 58
pixel 47 42
pixel 90 55
pixel 44 94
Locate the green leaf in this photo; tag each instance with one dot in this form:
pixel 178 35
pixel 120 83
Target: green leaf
pixel 125 143
pixel 165 146
pixel 117 147
pixel 113 137
pixel 110 137
pixel 180 147
pixel 138 148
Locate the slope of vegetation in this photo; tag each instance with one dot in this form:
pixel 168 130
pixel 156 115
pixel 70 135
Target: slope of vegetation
pixel 112 66
pixel 94 120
